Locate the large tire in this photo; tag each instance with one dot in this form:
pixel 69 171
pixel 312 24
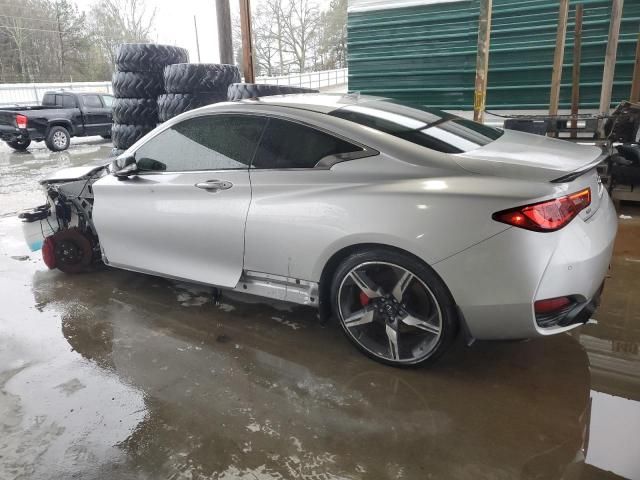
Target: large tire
pixel 200 77
pixel 378 289
pixel 123 135
pixel 238 91
pixel 140 111
pixel 58 139
pixel 148 57
pixel 20 145
pixel 115 152
pixel 137 84
pixel 172 104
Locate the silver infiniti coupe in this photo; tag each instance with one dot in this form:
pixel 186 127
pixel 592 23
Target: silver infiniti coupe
pixel 406 223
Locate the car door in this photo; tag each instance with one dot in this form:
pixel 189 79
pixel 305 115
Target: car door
pixel 294 211
pixel 184 214
pixel 97 116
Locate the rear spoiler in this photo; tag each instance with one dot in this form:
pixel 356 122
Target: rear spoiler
pixel 570 177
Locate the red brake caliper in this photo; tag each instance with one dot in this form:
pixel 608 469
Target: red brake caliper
pixel 364 300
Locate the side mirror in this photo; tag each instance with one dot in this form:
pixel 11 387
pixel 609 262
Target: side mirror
pixel 149 165
pixel 130 169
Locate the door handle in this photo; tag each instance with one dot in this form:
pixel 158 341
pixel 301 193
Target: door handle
pixel 214 185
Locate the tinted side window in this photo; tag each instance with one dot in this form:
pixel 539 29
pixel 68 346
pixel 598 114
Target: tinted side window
pixel 49 100
pixel 291 145
pixel 91 101
pixel 217 142
pixel 68 101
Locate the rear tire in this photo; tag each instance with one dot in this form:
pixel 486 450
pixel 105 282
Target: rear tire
pixel 58 139
pixel 393 307
pixel 19 145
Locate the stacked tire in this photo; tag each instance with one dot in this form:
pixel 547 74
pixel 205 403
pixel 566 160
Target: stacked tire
pixel 193 85
pixel 239 91
pixel 137 82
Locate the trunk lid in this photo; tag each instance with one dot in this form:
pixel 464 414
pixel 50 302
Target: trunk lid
pixel 524 156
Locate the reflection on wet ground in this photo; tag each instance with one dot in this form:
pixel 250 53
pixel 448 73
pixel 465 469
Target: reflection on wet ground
pixel 120 375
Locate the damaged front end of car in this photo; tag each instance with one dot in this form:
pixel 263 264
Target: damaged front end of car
pixel 63 226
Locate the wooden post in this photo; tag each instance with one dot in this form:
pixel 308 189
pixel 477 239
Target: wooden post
pixel 575 74
pixel 610 56
pixel 225 46
pixel 558 57
pixel 247 44
pixel 482 60
pixel 635 80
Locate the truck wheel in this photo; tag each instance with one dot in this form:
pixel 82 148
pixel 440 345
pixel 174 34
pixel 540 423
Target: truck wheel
pixel 200 77
pixel 238 91
pixel 148 57
pixel 19 145
pixel 137 84
pixel 58 139
pixel 123 136
pixel 172 104
pixel 140 111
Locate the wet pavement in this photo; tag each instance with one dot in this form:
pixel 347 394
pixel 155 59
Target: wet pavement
pixel 119 375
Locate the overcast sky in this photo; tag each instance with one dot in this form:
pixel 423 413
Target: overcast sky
pixel 174 24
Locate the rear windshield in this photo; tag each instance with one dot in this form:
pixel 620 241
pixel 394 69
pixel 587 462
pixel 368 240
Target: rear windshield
pixel 423 126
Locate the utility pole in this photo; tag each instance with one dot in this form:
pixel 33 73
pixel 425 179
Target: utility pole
pixel 610 56
pixel 61 63
pixel 247 44
pixel 482 60
pixel 635 79
pixel 195 26
pixel 558 57
pixel 575 74
pixel 225 46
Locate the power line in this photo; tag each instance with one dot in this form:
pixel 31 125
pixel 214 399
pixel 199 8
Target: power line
pixel 29 29
pixel 29 18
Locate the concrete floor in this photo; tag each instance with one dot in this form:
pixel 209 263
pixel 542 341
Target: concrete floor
pixel 126 376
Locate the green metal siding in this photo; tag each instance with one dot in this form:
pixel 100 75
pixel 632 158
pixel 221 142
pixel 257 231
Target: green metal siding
pixel 427 54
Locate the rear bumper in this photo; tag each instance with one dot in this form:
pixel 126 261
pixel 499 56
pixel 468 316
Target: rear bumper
pixel 10 134
pixel 496 282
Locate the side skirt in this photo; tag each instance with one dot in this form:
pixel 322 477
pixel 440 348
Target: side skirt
pixel 279 287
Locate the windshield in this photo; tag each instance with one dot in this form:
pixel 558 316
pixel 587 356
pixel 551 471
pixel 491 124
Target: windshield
pixel 428 127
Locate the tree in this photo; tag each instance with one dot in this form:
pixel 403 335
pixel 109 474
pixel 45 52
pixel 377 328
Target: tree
pixel 121 21
pixel 300 19
pixel 332 45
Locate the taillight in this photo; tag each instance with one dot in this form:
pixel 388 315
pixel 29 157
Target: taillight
pixel 21 121
pixel 547 216
pixel 551 305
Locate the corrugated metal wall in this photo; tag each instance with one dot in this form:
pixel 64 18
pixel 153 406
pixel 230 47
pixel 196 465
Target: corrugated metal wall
pixel 426 54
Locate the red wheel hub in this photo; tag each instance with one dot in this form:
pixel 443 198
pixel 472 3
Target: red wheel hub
pixel 48 252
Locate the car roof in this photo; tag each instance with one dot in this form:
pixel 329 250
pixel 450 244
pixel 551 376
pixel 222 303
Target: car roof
pixel 315 102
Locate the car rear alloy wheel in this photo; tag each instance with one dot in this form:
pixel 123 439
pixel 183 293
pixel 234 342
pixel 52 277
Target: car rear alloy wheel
pixel 390 312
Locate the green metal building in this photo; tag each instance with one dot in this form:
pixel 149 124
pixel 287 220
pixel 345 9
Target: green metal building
pixel 424 51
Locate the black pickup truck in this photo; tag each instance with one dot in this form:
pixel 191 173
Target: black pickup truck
pixel 61 116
